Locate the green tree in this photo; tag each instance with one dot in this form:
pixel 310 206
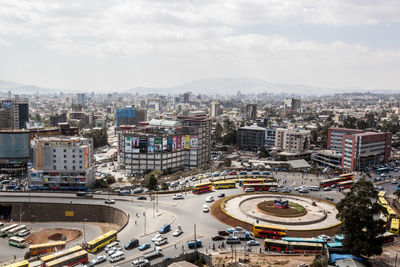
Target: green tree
pixel 361 225
pixel 164 186
pixel 110 179
pixel 100 183
pixel 99 136
pixel 218 132
pixel 263 153
pixel 151 182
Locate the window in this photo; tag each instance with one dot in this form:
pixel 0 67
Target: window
pixel 73 161
pixel 80 150
pixel 65 150
pixel 54 156
pixel 54 151
pixel 65 156
pixel 54 161
pixel 54 167
pixel 65 161
pixel 73 150
pixel 73 167
pixel 80 167
pixel 65 167
pixel 80 156
pixel 73 156
pixel 80 161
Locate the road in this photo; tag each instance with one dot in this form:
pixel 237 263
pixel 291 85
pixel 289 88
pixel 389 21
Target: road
pixel 187 212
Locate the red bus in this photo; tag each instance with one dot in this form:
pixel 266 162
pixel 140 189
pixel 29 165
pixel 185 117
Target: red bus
pixel 347 176
pixel 260 187
pixel 293 247
pixel 346 184
pixel 202 188
pixel 329 182
pixel 265 231
pixel 69 260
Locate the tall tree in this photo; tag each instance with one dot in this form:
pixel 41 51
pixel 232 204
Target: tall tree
pixel 361 225
pixel 151 182
pixel 263 153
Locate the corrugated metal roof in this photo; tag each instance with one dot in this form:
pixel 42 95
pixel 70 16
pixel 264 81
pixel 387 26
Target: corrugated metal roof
pixel 165 123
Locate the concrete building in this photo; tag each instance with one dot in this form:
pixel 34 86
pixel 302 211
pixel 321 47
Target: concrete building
pixel 215 109
pixel 249 112
pixel 14 113
pixel 292 104
pixel 250 137
pixel 62 163
pixel 270 135
pixel 293 143
pixel 166 145
pixel 80 98
pixel 354 149
pixel 55 119
pixel 130 116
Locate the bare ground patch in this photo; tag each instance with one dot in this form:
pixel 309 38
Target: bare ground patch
pixel 54 234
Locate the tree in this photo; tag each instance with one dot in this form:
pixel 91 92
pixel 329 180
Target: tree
pixel 99 136
pixel 263 153
pixel 164 186
pixel 110 179
pixel 100 183
pixel 361 225
pixel 218 132
pixel 227 162
pixel 151 182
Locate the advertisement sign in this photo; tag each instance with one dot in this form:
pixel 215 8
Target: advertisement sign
pixel 169 143
pixel 164 144
pixel 143 144
pixel 174 144
pixel 86 158
pixel 178 143
pixel 150 145
pixel 128 144
pixel 183 144
pixel 194 141
pixel 187 142
pixel 7 104
pixel 158 144
pixel 135 145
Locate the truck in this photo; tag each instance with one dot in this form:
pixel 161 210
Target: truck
pixel 156 252
pixel 191 244
pixel 243 235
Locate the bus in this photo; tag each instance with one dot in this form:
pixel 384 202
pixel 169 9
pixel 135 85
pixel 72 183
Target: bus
pixel 224 184
pixel 202 188
pixel 4 230
pixel 388 238
pixel 391 214
pixel 305 239
pixel 101 241
pixel 346 184
pixel 284 246
pixel 383 202
pixel 18 242
pixel 18 264
pixel 394 226
pixel 60 254
pixel 260 187
pixel 329 182
pixel 265 231
pixel 16 230
pixel 45 248
pixel 69 260
pixel 381 193
pixel 346 176
pixel 253 181
pixel 382 170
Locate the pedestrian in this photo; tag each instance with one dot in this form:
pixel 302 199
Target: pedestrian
pixel 260 250
pixel 175 246
pixel 135 222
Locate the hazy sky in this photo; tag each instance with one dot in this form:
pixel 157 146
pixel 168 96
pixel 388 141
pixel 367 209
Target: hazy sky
pixel 111 45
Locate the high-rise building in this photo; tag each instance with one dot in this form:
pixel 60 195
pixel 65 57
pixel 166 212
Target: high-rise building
pixel 62 163
pixel 249 112
pixel 186 97
pixel 80 98
pixel 14 113
pixel 215 109
pixel 250 137
pixel 130 116
pixel 292 104
pixel 55 119
pixel 292 140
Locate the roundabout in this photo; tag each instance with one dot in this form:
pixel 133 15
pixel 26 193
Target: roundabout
pixel 302 213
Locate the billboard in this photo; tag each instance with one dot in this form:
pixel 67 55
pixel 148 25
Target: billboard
pixel 86 158
pixel 194 141
pixel 7 104
pixel 158 144
pixel 164 144
pixel 150 145
pixel 128 144
pixel 14 145
pixel 174 144
pixel 178 143
pixel 187 142
pixel 183 144
pixel 143 145
pixel 135 145
pixel 169 144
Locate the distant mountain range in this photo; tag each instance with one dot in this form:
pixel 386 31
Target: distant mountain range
pixel 218 86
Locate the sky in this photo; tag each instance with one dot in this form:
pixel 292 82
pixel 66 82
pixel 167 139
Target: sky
pixel 103 45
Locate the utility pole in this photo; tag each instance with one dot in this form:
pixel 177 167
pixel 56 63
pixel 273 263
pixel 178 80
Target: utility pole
pixel 84 232
pixel 144 213
pixel 195 241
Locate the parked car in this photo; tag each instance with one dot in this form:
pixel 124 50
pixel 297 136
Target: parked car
pixel 131 244
pixel 24 233
pixel 249 189
pixel 144 246
pixel 178 196
pixel 141 198
pixel 114 249
pixel 140 262
pixel 156 237
pixel 165 229
pixel 205 208
pixel 232 240
pixel 99 259
pixel 223 233
pixel 327 188
pixel 221 195
pixel 119 255
pixel 253 243
pixel 109 201
pixel 163 240
pixel 325 238
pixel 286 190
pixel 210 199
pixel 273 189
pixel 217 237
pixel 330 198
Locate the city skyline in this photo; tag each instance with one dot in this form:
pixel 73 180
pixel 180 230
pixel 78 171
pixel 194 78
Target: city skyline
pixel 112 45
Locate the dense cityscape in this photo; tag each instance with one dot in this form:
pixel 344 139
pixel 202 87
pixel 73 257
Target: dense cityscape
pixel 183 133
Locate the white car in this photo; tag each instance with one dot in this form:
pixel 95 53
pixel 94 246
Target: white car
pixel 330 198
pixel 249 189
pixel 156 237
pixel 205 208
pixel 324 237
pixel 140 262
pixel 109 201
pixel 394 181
pixel 210 199
pixel 24 233
pixel 114 250
pixel 99 259
pixel 178 196
pixel 177 232
pixel 163 240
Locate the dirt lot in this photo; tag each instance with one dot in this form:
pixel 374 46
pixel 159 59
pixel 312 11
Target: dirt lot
pixel 54 234
pixel 389 255
pixel 260 260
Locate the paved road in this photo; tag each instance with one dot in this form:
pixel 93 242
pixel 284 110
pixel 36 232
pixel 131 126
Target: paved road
pixel 187 213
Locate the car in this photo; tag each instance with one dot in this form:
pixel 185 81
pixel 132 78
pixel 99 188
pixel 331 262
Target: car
pixel 253 243
pixel 89 264
pixel 109 201
pixel 178 231
pixel 221 195
pixel 217 237
pixel 81 194
pixel 394 181
pixel 88 195
pixel 249 189
pixel 140 262
pixel 210 199
pixel 232 173
pixel 178 196
pixel 273 189
pixel 377 179
pixel 114 250
pixel 280 185
pixel 286 190
pixel 141 198
pixel 99 259
pixel 111 245
pixel 380 187
pixel 119 255
pixel 205 208
pixel 327 188
pixel 224 173
pixel 145 246
pixel 330 198
pixel 163 240
pixel 165 229
pixel 216 174
pixel 24 233
pixel 156 237
pixel 333 185
pixel 223 233
pixel 230 230
pixel 232 240
pixel 325 238
pixel 131 244
pixel 384 175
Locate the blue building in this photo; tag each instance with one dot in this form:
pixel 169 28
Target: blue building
pixel 130 116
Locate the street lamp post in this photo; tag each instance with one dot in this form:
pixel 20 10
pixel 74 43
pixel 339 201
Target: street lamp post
pixel 84 233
